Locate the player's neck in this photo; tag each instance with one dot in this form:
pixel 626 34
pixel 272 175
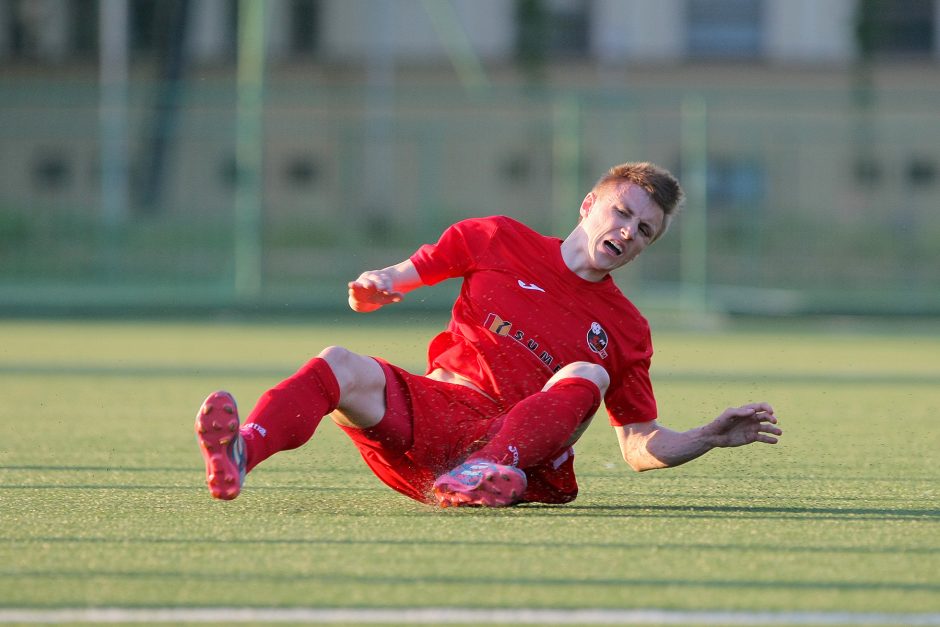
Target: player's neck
pixel 575 256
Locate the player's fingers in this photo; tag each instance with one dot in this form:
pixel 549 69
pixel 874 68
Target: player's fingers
pixel 360 305
pixel 761 407
pixel 759 412
pixel 361 298
pixel 763 416
pixel 737 413
pixel 771 429
pixel 360 287
pixel 360 294
pixel 370 284
pixel 381 280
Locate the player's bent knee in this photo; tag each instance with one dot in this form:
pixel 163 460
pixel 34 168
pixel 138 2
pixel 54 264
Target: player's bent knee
pixel 352 370
pixel 584 370
pixel 355 373
pixel 336 355
pixel 341 358
pixel 362 387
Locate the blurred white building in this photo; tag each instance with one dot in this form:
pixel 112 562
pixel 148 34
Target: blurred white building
pixel 424 32
pixel 407 114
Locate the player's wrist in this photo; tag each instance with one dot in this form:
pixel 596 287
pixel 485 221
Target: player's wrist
pixel 704 438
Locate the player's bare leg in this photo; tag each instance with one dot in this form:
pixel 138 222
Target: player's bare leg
pixel 362 388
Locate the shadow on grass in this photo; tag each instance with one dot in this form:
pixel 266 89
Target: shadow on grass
pixel 486 578
pixel 586 511
pixel 480 544
pixel 761 511
pixel 690 510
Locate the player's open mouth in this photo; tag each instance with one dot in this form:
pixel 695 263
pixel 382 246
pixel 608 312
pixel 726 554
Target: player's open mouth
pixel 613 247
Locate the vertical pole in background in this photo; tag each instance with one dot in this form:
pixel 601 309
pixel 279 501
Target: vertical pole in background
pixel 457 45
pixel 112 120
pixel 376 217
pixel 249 150
pixel 566 163
pixel 694 221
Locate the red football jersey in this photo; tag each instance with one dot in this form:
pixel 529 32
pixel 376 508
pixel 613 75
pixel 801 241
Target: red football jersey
pixel 522 314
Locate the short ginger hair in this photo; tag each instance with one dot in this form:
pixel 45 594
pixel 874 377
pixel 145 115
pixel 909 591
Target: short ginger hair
pixel 658 182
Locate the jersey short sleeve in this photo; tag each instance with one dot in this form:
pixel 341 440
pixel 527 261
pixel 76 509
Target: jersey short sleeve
pixel 455 252
pixel 632 401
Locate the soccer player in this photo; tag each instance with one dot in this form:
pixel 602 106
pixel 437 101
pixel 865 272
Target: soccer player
pixel 538 337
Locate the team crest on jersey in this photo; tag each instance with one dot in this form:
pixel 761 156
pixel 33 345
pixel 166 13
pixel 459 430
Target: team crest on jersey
pixel 597 339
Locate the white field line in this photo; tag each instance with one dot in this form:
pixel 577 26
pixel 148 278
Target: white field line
pixel 457 616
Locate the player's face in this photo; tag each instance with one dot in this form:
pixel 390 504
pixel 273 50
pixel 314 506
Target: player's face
pixel 620 221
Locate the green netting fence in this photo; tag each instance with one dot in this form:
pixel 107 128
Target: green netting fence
pixel 800 201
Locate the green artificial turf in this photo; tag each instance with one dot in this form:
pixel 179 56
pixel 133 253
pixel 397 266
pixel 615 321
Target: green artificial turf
pixel 102 501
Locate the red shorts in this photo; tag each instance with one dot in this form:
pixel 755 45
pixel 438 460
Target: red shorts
pixel 429 427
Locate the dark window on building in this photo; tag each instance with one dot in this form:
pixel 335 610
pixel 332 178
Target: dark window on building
pixel 22 34
pixel 569 28
pixel 231 23
pixel 52 172
pixel 895 27
pixel 724 28
pixel 551 30
pixel 27 24
pixel 735 182
pixel 157 27
pixel 147 23
pixel 304 26
pixel 84 24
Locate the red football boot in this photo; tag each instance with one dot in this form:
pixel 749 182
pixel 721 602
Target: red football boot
pixel 222 445
pixel 482 483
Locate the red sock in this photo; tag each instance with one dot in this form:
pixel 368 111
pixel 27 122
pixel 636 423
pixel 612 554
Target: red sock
pixel 541 424
pixel 287 415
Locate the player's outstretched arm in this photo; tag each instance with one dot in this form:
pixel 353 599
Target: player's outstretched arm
pixel 648 445
pixel 377 288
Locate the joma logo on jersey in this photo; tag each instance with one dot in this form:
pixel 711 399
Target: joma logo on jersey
pixel 597 339
pixel 504 327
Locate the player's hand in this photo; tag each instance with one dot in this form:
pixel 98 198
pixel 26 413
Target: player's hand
pixel 737 426
pixel 372 290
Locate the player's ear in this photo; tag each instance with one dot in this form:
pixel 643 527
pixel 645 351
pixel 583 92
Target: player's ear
pixel 587 203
